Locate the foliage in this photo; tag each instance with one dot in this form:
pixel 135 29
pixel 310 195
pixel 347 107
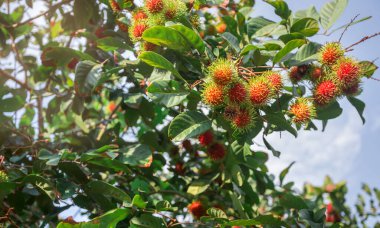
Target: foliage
pixel 103 102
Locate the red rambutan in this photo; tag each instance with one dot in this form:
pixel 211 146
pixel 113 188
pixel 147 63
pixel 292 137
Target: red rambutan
pixel 260 91
pixel 325 92
pixel 196 209
pixel 206 138
pixel 243 119
pixel 179 168
pixel 330 53
pixel 216 151
pixel 348 72
pixel 137 30
pixel 316 74
pixel 302 110
pixel 154 6
pixel 213 94
pixel 139 15
pixel 237 93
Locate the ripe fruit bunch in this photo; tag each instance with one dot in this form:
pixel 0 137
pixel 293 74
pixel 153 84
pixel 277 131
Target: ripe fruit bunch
pixel 336 75
pixel 215 150
pixel 155 12
pixel 238 99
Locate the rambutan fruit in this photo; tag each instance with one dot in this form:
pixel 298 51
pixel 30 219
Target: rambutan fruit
pixel 156 19
pixel 114 6
pixel 197 209
pixel 111 106
pixel 195 21
pixel 73 63
pixel 122 26
pixel 216 151
pixel 316 74
pixel 206 138
pixel 139 15
pixel 3 176
pixel 137 29
pixel 325 92
pixel 230 112
pixel 352 90
pixel 154 6
pixel 260 91
pixel 348 72
pixel 222 71
pixel 275 80
pixel 237 92
pixel 221 28
pixel 174 9
pixel 243 119
pixel 330 53
pixel 146 46
pixel 297 73
pixel 213 94
pixel 179 168
pixel 302 110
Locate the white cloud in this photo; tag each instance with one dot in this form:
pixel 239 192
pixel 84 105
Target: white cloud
pixel 317 153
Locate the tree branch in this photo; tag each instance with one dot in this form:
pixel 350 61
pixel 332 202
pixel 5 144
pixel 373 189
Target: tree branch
pixel 6 75
pixel 349 48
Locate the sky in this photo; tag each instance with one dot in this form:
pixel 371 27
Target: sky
pixel 347 150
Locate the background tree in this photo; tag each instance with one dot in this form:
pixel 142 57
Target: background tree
pixel 144 114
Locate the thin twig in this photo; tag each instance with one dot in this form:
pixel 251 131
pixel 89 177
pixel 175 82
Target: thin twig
pixel 346 28
pixel 10 77
pixel 349 48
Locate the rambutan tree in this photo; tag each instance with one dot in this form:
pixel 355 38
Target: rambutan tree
pixel 122 113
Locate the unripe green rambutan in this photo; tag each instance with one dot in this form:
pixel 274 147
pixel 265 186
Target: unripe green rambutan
pixel 237 92
pixel 174 9
pixel 244 119
pixel 222 71
pixel 137 29
pixel 156 19
pixel 275 80
pixel 154 6
pixel 325 92
pixel 213 94
pixel 260 91
pixel 330 53
pixel 348 72
pixel 3 176
pixel 302 110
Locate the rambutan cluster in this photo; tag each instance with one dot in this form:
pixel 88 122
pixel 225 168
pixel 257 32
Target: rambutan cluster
pixel 215 150
pixel 155 12
pixel 237 98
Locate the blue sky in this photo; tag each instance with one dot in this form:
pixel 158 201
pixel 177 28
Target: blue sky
pixel 347 150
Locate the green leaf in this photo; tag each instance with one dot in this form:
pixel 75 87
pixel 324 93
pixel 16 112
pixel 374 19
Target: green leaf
pixel 305 26
pixel 307 53
pixel 87 74
pixel 167 92
pixel 157 60
pixel 139 202
pixel 248 48
pixel 187 125
pixel 52 159
pixel 368 68
pixel 237 175
pixel 164 205
pixel 331 12
pixel 83 11
pixel 271 30
pixel 112 44
pixel 147 221
pixel 216 213
pixel 191 36
pixel 198 186
pixel 359 105
pixel 279 120
pixel 275 152
pixel 166 36
pixel 290 46
pixel 42 185
pixel 138 155
pixel 109 220
pixel 289 200
pixel 285 172
pixel 330 111
pixel 105 189
pixel 232 40
pixel 259 220
pixel 281 8
pixel 310 12
pixel 254 24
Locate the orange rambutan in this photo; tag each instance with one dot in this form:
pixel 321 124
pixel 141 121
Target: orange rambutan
pixel 216 151
pixel 302 111
pixel 206 138
pixel 325 92
pixel 330 53
pixel 237 92
pixel 154 6
pixel 139 15
pixel 137 29
pixel 260 91
pixel 222 71
pixel 275 80
pixel 348 72
pixel 213 94
pixel 197 209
